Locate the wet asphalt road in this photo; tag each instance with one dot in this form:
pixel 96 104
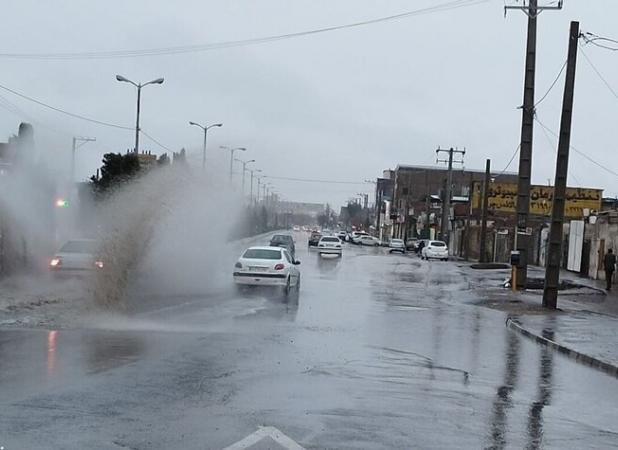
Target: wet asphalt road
pixel 379 351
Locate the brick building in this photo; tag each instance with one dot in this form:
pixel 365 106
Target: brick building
pixel 418 192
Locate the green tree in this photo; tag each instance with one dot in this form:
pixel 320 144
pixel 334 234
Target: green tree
pixel 117 169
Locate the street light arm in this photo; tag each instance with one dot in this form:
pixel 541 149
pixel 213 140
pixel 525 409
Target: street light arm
pixel 157 81
pixel 197 125
pixel 214 125
pixel 125 80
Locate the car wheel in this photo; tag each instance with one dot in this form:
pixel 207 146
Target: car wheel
pixel 286 288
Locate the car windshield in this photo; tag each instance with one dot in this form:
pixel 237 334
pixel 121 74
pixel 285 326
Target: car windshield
pixel 262 253
pixel 330 239
pixel 438 244
pixel 281 239
pixel 87 247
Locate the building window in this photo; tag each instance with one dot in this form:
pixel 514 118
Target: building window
pixel 404 191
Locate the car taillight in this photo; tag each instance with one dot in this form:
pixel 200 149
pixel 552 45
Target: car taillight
pixel 238 265
pixel 99 264
pixel 279 266
pixel 56 262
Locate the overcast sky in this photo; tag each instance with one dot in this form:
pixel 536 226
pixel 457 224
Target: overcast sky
pixel 342 105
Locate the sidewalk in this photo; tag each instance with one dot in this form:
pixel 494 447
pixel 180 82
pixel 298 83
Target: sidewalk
pixel 584 328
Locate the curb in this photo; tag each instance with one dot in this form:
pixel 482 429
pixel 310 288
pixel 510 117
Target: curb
pixel 579 357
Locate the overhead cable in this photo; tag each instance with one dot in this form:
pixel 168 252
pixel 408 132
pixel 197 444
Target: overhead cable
pixel 446 6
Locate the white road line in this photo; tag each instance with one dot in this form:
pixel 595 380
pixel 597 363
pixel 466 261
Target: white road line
pixel 263 432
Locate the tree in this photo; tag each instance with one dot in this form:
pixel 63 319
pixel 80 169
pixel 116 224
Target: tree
pixel 117 169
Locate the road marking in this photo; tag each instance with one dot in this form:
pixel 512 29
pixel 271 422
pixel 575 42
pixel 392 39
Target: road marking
pixel 263 432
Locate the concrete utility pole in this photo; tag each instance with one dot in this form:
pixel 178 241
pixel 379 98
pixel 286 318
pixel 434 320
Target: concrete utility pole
pixel 552 271
pixel 251 190
pixel 527 128
pixel 483 243
pixel 446 201
pixel 78 141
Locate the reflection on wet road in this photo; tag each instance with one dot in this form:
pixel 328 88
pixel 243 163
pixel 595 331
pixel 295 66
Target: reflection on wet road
pixel 379 351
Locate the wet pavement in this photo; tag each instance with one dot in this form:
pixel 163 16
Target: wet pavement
pixel 379 351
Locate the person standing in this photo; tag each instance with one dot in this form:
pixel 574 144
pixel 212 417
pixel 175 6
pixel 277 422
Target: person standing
pixel 610 266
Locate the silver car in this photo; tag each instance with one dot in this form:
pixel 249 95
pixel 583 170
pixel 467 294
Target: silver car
pixel 76 257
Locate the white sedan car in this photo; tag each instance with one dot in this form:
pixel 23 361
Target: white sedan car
pixel 329 245
pixel 436 250
pixel 369 240
pixel 267 266
pixel 76 257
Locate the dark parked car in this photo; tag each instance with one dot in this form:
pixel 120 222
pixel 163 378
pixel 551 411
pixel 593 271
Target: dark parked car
pixel 314 239
pixel 285 241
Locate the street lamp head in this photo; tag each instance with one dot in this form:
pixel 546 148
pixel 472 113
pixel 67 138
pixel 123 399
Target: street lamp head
pixel 158 81
pixel 121 78
pixel 193 123
pixel 217 125
pixel 242 149
pixel 251 161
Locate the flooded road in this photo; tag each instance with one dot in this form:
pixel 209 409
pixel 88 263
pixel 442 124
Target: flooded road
pixel 380 351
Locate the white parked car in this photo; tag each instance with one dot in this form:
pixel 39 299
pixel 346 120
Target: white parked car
pixel 357 235
pixel 436 250
pixel 76 257
pixel 369 240
pixel 397 245
pixel 267 266
pixel 329 245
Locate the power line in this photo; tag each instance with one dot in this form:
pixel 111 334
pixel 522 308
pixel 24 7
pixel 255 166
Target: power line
pixel 591 38
pixel 551 144
pixel 552 85
pixel 510 162
pixel 447 6
pixel 598 72
pixel 155 141
pixel 309 180
pixel 77 116
pixel 598 164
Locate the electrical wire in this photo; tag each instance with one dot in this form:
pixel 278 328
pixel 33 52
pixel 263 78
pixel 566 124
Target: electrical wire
pixel 510 161
pixel 552 85
pixel 309 180
pixel 591 38
pixel 596 163
pixel 554 148
pixel 76 116
pixel 603 79
pixel 156 141
pixel 447 6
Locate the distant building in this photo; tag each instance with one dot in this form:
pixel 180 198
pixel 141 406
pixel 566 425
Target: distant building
pixel 418 194
pixel 300 208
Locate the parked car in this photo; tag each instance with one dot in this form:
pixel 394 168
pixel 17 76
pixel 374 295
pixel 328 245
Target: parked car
pixel 285 241
pixel 296 229
pixel 411 243
pixel 435 250
pixel 267 266
pixel 330 245
pixel 342 235
pixel 396 245
pixel 76 257
pixel 368 240
pixel 356 235
pixel 314 238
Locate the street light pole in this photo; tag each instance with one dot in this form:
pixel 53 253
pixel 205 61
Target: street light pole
pixel 232 150
pixel 251 190
pixel 244 169
pixel 205 128
pixel 139 87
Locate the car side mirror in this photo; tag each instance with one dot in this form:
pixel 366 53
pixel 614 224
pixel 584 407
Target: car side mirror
pixel 297 263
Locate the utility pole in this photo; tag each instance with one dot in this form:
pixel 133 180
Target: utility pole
pixel 78 141
pixel 552 271
pixel 483 246
pixel 527 128
pixel 446 201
